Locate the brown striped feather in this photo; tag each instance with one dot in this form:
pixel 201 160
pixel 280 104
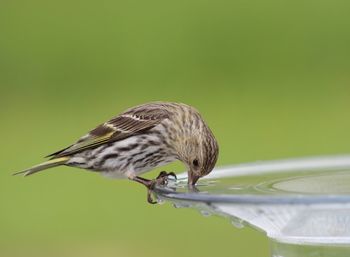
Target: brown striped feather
pixel 129 123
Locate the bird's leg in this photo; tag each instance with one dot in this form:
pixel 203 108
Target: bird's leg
pixel 150 184
pixel 162 179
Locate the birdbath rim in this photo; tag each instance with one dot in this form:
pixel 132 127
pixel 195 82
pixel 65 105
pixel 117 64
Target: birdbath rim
pixel 311 165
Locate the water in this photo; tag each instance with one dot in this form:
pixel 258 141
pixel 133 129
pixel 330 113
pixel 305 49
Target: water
pixel 302 205
pixel 205 213
pixel 331 182
pixel 238 223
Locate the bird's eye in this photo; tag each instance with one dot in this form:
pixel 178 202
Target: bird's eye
pixel 195 163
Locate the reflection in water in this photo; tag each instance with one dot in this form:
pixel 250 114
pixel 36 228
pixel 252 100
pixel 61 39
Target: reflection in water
pixel 326 183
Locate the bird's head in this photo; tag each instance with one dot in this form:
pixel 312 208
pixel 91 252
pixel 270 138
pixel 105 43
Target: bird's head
pixel 200 153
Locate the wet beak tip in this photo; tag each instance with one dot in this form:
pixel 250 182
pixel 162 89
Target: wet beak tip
pixel 192 179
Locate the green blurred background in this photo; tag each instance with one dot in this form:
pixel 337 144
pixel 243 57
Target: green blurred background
pixel 270 77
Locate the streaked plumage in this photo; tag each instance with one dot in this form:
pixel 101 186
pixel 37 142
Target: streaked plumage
pixel 140 139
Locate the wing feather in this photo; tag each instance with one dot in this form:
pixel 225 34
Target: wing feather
pixel 129 123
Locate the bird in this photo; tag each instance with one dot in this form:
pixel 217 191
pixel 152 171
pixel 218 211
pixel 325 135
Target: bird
pixel 140 139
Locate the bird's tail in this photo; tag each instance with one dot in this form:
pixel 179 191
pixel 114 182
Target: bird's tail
pixel 43 166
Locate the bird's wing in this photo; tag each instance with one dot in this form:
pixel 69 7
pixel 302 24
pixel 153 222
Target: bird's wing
pixel 129 123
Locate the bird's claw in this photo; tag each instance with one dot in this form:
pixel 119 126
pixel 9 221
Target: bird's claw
pixel 150 198
pixel 164 174
pixel 162 179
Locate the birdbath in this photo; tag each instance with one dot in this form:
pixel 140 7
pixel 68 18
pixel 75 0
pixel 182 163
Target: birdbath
pixel 302 205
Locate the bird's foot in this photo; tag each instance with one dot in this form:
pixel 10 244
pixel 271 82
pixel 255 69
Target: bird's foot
pixel 162 179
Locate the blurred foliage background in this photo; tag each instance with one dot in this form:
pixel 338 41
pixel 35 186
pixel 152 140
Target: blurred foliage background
pixel 270 77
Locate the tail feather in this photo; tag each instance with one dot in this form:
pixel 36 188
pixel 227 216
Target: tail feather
pixel 43 166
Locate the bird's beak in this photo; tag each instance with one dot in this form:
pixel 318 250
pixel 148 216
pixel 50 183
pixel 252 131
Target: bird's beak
pixel 192 178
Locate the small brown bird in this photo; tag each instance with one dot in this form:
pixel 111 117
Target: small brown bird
pixel 141 139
